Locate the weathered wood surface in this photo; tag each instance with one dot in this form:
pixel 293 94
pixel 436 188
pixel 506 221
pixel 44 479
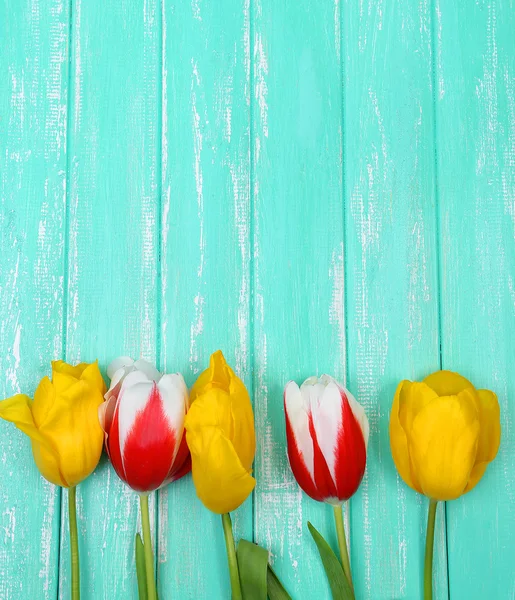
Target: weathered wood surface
pixel 311 186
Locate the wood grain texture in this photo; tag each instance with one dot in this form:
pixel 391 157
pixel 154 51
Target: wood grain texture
pixel 112 258
pixel 475 48
pixel 298 254
pixel 33 76
pixel 205 253
pixel 391 264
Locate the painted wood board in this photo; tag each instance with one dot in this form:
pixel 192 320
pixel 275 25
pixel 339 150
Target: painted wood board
pixel 475 52
pixel 33 99
pixel 312 187
pixel 205 254
pixel 112 249
pixel 298 258
pixel 391 274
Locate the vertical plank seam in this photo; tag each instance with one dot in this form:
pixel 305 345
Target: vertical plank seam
pixel 439 275
pixel 252 241
pixel 344 231
pixel 159 235
pixel 66 251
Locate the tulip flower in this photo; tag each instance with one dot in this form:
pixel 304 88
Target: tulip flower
pixel 443 434
pixel 327 435
pixel 143 420
pixel 66 437
pixel 221 438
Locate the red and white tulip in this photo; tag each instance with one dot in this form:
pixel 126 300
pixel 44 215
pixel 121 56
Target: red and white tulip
pixel 143 421
pixel 327 434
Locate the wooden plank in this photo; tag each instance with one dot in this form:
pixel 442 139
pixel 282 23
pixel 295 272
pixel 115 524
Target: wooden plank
pixel 33 72
pixel 206 253
pixel 113 248
pixel 298 253
pixel 392 291
pixel 475 50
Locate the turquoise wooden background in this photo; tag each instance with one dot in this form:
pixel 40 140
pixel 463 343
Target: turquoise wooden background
pixel 312 186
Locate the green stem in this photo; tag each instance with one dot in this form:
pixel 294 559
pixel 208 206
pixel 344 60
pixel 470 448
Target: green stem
pixel 430 538
pixel 342 544
pixel 231 558
pixel 74 543
pixel 147 544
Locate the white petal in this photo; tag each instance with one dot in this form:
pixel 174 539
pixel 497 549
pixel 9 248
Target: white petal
pixel 297 414
pixel 133 398
pixel 148 368
pixel 119 363
pixel 174 394
pixel 327 420
pixel 359 412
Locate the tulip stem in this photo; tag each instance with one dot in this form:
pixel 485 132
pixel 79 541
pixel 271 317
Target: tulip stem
pixel 231 558
pixel 147 545
pixel 74 543
pixel 430 538
pixel 342 543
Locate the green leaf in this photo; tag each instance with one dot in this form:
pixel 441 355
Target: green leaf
pixel 276 590
pixel 340 587
pixel 258 581
pixel 253 565
pixel 140 568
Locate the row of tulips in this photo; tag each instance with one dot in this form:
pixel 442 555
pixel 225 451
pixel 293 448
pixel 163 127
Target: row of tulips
pixel 443 434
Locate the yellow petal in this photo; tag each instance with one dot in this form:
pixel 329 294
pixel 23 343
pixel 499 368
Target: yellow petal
pixel 48 464
pixel 447 383
pixel 73 427
pixel 413 398
pixel 221 481
pixel 399 441
pixel 216 375
pixel 18 410
pixel 44 399
pixel 92 375
pixel 60 367
pixel 477 472
pixel 490 421
pixel 443 444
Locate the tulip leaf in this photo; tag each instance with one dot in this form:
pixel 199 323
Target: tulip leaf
pixel 140 568
pixel 258 581
pixel 276 589
pixel 340 587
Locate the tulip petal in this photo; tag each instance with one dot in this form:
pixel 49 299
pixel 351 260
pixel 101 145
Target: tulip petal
pixel 72 427
pixel 399 442
pixel 92 375
pixel 360 416
pixel 221 481
pixel 148 368
pixel 117 364
pixel 490 421
pixel 443 444
pixel 147 439
pixel 174 398
pixel 44 398
pixel 181 465
pixel 18 410
pixel 299 442
pixel 447 383
pixel 341 440
pixel 476 474
pixel 216 375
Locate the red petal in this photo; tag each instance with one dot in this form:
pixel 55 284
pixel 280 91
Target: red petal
pixel 351 454
pixel 325 485
pixel 149 446
pixel 182 463
pixel 113 446
pixel 298 466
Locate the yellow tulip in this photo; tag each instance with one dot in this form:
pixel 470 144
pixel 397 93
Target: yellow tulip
pixel 443 434
pixel 62 422
pixel 220 434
